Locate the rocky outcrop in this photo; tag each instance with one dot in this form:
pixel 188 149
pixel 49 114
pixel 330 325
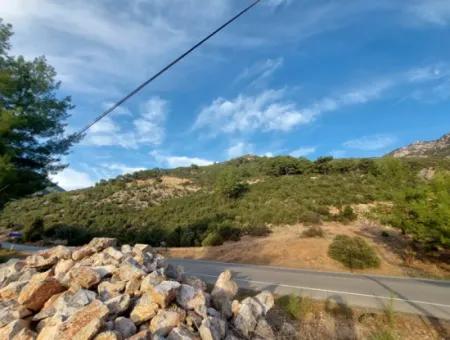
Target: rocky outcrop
pixel 103 292
pixel 437 148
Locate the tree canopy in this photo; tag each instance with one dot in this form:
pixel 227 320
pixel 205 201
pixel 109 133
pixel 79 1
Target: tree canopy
pixel 32 122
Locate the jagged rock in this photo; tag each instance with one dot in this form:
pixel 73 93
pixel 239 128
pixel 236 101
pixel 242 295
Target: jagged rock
pixel 164 293
pixel 212 329
pixel 126 249
pixel 85 323
pixel 65 304
pixel 133 286
pixel 101 243
pixel 108 290
pixel 12 290
pixel 49 328
pixel 224 291
pixel 263 330
pixel 118 304
pixel 182 333
pixel 191 299
pixel 25 334
pixel 265 298
pixel 82 252
pixel 235 305
pixel 125 327
pixel 164 322
pixel 40 288
pixel 288 331
pixel 195 282
pixel 10 271
pixel 84 277
pixel 193 320
pixel 172 272
pixel 40 262
pixel 250 311
pixel 12 329
pixel 108 335
pixel 12 312
pixel 142 335
pixel 114 253
pixel 61 252
pixel 62 267
pixel 152 280
pixel 144 310
pixel 130 269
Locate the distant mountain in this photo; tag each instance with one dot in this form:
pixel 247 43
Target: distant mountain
pixel 437 148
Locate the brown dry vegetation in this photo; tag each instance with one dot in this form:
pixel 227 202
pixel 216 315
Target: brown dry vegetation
pixel 286 247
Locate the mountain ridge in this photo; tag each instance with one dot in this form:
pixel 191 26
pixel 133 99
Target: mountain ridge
pixel 439 147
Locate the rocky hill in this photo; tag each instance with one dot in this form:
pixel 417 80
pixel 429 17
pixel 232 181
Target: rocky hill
pixel 438 148
pixel 105 292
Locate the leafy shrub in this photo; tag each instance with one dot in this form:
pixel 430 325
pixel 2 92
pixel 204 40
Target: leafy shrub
pixel 385 334
pixel 353 252
pixel 295 306
pixel 212 239
pixel 346 215
pixel 230 185
pixel 315 231
pixel 261 230
pixel 34 231
pixel 74 235
pixel 311 217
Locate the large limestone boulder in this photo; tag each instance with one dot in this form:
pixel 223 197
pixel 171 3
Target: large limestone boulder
pixel 212 328
pixel 182 333
pixel 40 288
pixel 84 277
pixel 85 323
pixel 223 292
pixel 119 304
pixel 125 327
pixel 163 323
pixel 164 293
pixel 144 310
pixel 108 290
pixel 12 329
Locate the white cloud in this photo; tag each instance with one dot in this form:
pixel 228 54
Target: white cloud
pixel 260 71
pixel 121 168
pixel 148 128
pixel 302 152
pixel 71 179
pixel 277 3
pixel 269 110
pixel 370 143
pixel 172 161
pixel 239 149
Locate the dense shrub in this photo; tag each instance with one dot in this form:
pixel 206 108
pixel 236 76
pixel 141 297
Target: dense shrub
pixel 260 230
pixel 212 239
pixel 34 231
pixel 295 306
pixel 315 231
pixel 353 252
pixel 230 185
pixel 346 215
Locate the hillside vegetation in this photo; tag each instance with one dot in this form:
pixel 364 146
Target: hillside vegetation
pixel 208 205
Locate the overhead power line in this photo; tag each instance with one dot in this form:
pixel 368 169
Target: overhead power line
pixel 148 81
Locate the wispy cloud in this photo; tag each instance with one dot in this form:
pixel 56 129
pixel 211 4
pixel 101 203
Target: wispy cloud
pixel 172 161
pixel 304 151
pixel 258 74
pixel 435 12
pixel 371 143
pixel 148 128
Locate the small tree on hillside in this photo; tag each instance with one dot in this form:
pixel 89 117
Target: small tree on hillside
pixel 230 185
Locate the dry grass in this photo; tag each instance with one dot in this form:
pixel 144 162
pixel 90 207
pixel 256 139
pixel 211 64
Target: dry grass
pixel 286 247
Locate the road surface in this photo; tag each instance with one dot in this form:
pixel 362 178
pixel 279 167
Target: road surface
pixel 409 295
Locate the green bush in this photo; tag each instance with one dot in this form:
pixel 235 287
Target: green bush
pixel 315 231
pixel 353 252
pixel 261 230
pixel 230 185
pixel 33 232
pixel 295 306
pixel 346 215
pixel 212 239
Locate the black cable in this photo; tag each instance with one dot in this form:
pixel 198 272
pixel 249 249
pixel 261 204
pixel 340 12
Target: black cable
pixel 140 87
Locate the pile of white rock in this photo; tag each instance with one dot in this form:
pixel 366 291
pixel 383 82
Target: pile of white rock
pixel 103 292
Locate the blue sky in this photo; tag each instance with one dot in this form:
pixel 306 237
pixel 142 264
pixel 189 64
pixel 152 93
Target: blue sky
pixel 299 77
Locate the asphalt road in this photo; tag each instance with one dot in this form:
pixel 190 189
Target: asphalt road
pixel 409 295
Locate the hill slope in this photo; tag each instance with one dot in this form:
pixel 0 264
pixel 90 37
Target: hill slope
pixel 439 148
pixel 207 205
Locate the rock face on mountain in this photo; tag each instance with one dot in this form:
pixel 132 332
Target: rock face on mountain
pixel 439 147
pixel 103 292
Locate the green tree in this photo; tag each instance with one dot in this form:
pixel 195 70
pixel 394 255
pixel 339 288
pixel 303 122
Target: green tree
pixel 230 185
pixel 32 122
